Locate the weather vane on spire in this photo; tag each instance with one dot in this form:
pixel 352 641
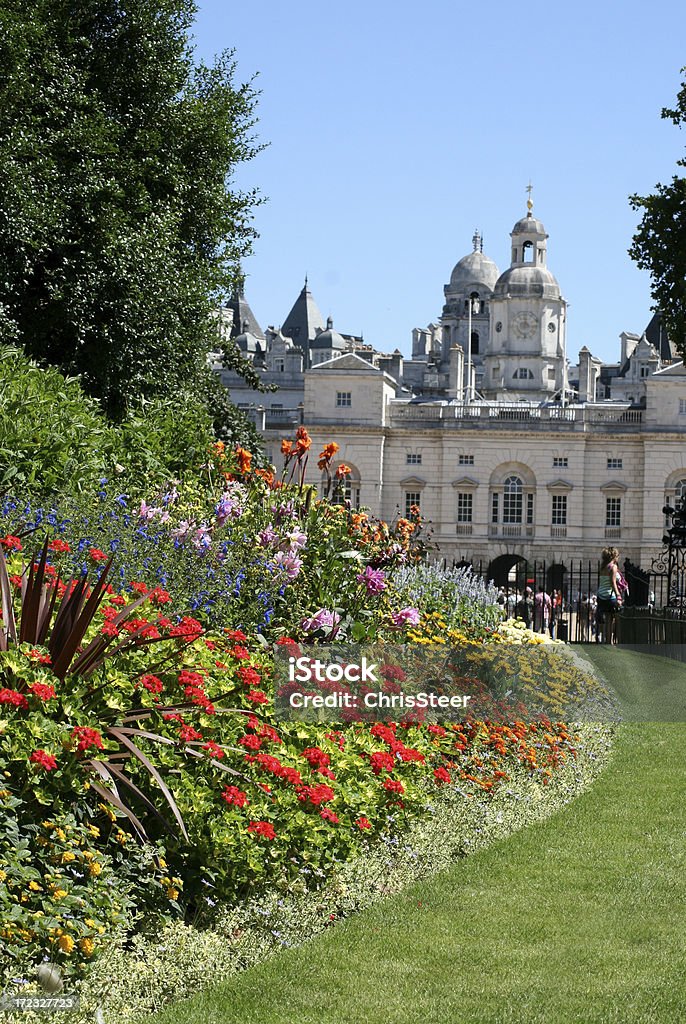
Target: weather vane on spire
pixel 477 241
pixel 529 202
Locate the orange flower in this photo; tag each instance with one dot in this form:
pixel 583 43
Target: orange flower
pixel 286 447
pixel 266 475
pixel 326 454
pixel 343 470
pixel 303 442
pixel 244 459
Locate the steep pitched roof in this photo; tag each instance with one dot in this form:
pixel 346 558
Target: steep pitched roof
pixel 657 335
pixel 304 320
pixel 244 321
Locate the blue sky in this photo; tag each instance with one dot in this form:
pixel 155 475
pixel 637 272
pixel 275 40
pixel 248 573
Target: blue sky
pixel 395 129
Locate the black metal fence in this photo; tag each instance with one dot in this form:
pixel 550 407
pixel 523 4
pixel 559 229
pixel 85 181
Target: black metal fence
pixel 560 598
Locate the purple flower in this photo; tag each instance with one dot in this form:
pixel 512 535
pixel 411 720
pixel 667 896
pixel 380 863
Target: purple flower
pixel 202 540
pixel 182 531
pixel 295 540
pixel 323 619
pixel 289 562
pixel 285 511
pixel 266 537
pixel 405 617
pixel 373 579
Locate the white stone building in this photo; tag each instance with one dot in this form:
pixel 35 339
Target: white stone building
pixel 510 451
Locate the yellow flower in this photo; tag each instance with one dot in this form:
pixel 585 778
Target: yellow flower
pixel 90 922
pixel 108 811
pixel 66 944
pixel 60 834
pixel 34 886
pixel 122 837
pixel 172 893
pixel 88 855
pixel 87 946
pixel 59 894
pixel 94 830
pixel 94 868
pixel 3 876
pixel 48 824
pixel 68 856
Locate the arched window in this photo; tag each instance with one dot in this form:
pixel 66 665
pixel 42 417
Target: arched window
pixel 475 343
pixel 512 500
pixel 680 490
pixel 528 252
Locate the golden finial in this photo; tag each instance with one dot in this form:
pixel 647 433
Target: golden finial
pixel 529 202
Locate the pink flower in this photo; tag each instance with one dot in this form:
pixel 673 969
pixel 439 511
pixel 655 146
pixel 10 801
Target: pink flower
pixel 405 617
pixel 373 579
pixel 323 619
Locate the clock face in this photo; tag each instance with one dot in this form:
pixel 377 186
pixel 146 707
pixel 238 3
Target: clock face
pixel 524 325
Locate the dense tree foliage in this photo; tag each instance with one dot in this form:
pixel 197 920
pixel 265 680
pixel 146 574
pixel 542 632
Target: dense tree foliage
pixel 120 229
pixel 659 244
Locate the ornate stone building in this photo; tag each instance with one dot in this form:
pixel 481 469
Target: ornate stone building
pixel 509 450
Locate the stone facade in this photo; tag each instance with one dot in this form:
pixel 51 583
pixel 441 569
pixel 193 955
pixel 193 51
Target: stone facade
pixel 507 447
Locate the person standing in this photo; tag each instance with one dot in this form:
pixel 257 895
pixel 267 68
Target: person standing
pixel 609 594
pixel 542 606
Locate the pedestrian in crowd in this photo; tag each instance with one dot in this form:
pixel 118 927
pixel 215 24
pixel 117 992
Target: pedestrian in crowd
pixel 610 596
pixel 542 607
pixel 525 607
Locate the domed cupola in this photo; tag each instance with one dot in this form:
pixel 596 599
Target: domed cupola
pixel 474 272
pixel 528 274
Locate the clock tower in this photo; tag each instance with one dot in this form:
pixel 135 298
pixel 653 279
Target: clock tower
pixel 525 358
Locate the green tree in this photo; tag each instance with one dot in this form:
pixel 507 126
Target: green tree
pixel 659 244
pixel 120 226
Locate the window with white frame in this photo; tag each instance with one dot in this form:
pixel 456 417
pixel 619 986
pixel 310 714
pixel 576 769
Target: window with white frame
pixel 414 459
pixel 682 406
pixel 465 460
pixel 560 461
pixel 614 463
pixel 465 503
pixel 512 500
pixel 613 512
pixel 559 516
pixel 412 498
pixel 494 507
pixel 344 399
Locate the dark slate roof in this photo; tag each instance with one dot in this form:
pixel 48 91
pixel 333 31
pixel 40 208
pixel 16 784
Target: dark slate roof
pixel 243 318
pixel 304 320
pixel 657 336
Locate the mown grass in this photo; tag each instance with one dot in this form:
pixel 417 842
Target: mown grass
pixel 580 919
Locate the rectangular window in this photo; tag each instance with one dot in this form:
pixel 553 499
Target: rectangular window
pixel 411 498
pixel 465 460
pixel 344 398
pixel 614 463
pixel 682 406
pixel 494 509
pixel 644 371
pixel 559 510
pixel 613 511
pixel 464 508
pixel 560 461
pixel 529 509
pixel 414 459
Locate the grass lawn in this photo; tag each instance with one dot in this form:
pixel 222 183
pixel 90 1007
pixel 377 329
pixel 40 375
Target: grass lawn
pixel 581 918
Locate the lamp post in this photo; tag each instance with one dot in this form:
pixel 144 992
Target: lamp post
pixel 472 307
pixel 675 540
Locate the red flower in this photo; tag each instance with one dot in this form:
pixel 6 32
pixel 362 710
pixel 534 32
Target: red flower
pixel 109 629
pixel 239 652
pixel 43 691
pixel 257 697
pixel 328 815
pixel 139 588
pixel 250 742
pixel 363 823
pixel 262 828
pixel 393 786
pixel 316 757
pixel 381 762
pixel 159 596
pixel 236 635
pixel 235 797
pixel 214 749
pixel 316 795
pixel 11 543
pixel 188 628
pixel 442 775
pixel 58 545
pixel 248 676
pixel 97 555
pixel 86 738
pixel 43 760
pixel 188 733
pixel 187 678
pixel 407 754
pixel 152 683
pixel 18 700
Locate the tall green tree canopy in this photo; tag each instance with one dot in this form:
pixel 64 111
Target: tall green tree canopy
pixel 120 230
pixel 659 244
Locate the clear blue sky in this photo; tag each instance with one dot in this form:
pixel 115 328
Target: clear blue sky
pixel 395 129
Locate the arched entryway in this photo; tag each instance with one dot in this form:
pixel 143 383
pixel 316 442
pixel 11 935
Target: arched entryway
pixel 509 571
